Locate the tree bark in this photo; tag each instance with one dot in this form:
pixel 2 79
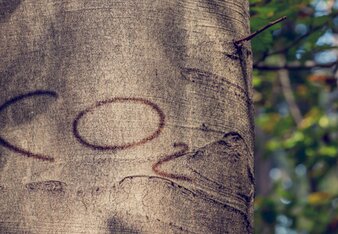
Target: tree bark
pixel 125 117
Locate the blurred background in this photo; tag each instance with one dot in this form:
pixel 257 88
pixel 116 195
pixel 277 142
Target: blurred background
pixel 296 103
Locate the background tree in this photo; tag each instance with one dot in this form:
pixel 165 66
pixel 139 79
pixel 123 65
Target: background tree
pixel 125 117
pixel 295 80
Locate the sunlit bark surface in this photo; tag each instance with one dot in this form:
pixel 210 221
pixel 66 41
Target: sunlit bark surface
pixel 125 117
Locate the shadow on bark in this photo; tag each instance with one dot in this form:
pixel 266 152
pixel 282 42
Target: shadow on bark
pixel 116 226
pixel 12 230
pixel 7 7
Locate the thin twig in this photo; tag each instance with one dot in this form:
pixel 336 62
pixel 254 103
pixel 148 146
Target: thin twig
pixel 263 67
pixel 288 94
pixel 312 29
pixel 292 44
pixel 260 30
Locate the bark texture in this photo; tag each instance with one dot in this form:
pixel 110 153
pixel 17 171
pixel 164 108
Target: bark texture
pixel 125 117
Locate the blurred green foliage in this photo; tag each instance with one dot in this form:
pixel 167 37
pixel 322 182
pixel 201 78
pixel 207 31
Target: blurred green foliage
pixel 296 116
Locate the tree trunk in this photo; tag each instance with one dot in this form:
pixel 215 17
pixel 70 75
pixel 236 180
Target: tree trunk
pixel 125 117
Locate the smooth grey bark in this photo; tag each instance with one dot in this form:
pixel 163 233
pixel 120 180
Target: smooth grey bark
pixel 125 117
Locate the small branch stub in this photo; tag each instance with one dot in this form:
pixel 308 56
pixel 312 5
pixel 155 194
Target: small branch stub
pixel 238 42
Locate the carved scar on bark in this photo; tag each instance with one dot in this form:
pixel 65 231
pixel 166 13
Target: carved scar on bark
pixel 52 186
pixel 167 158
pixel 140 101
pixel 15 148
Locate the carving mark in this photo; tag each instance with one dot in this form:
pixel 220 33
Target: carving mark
pixel 92 108
pixel 215 82
pixel 197 194
pixel 52 186
pixel 17 149
pixel 212 189
pixel 170 157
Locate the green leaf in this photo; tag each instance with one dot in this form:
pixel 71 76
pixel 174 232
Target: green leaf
pixel 329 151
